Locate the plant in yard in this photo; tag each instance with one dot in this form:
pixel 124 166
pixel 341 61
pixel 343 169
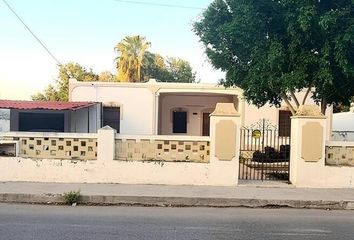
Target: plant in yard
pixel 72 197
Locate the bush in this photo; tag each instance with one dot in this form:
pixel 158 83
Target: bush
pixel 72 197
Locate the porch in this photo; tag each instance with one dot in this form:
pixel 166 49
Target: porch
pixel 187 113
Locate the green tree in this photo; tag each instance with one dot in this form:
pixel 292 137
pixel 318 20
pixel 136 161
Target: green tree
pixel 180 70
pixel 76 71
pixel 49 94
pixel 170 70
pixel 154 66
pixel 272 49
pixel 60 91
pixel 131 51
pixel 106 76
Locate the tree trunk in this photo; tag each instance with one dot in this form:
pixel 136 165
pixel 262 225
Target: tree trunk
pixel 295 99
pixel 285 99
pixel 323 106
pixel 306 95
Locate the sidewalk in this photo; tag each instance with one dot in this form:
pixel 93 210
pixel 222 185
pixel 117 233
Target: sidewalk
pixel 245 195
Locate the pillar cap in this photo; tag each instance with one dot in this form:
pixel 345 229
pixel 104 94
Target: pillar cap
pixel 309 111
pixel 225 109
pixel 107 128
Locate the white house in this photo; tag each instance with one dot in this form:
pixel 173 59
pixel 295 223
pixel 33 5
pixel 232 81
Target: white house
pixel 173 108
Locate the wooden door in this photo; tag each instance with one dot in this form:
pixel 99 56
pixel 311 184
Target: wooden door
pixel 206 124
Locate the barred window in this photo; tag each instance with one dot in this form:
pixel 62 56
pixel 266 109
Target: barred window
pixel 284 123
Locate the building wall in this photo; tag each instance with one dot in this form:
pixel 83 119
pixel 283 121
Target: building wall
pixel 4 120
pixel 136 105
pixel 86 120
pixel 139 115
pixel 194 105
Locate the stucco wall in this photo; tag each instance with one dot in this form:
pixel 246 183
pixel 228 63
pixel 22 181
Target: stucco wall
pixel 18 169
pixel 136 105
pixel 217 172
pixel 312 171
pixel 195 107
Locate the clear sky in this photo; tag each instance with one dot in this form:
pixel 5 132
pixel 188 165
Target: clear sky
pixel 86 31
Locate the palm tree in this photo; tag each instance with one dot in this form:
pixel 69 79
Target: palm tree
pixel 131 52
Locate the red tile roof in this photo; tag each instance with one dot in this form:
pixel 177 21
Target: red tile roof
pixel 50 105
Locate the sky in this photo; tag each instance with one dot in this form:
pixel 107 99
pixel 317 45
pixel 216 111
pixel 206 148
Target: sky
pixel 86 31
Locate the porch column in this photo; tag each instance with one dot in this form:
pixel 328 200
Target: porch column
pixel 156 107
pixel 307 152
pixel 225 124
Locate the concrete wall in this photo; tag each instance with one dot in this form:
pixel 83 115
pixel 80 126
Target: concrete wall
pixel 222 170
pixel 307 163
pixel 4 120
pixel 195 105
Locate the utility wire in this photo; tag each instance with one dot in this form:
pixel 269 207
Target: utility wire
pixel 33 34
pixel 158 4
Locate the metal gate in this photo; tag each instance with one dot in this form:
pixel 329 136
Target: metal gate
pixel 264 153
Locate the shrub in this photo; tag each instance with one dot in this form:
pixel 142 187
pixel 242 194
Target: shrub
pixel 72 197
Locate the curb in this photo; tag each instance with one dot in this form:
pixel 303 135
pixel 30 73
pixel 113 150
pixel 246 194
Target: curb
pixel 99 200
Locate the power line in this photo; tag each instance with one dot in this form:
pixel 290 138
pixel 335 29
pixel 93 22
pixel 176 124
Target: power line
pixel 159 4
pixel 33 34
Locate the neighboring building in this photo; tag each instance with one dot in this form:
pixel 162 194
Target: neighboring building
pixel 343 126
pixel 173 108
pixel 41 116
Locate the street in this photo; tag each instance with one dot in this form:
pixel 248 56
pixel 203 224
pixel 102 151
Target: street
pixel 81 222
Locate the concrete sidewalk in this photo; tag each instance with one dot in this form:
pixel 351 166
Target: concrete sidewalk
pixel 245 195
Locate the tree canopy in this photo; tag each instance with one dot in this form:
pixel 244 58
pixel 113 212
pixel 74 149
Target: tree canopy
pixel 167 70
pixel 272 49
pixel 136 64
pixel 131 52
pixel 60 91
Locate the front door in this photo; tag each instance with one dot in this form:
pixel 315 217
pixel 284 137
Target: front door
pixel 206 124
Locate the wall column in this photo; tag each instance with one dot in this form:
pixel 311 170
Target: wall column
pixel 225 124
pixel 106 144
pixel 308 136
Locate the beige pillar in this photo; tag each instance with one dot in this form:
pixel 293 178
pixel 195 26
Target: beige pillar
pixel 308 136
pixel 225 124
pixel 106 144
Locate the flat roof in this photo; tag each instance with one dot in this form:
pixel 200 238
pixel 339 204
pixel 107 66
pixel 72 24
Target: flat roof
pixel 44 105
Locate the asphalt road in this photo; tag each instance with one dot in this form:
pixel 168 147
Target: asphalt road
pixel 61 222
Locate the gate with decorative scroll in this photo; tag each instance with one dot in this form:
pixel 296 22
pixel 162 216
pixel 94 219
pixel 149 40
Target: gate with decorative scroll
pixel 264 152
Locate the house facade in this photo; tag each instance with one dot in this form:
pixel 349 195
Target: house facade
pixel 155 108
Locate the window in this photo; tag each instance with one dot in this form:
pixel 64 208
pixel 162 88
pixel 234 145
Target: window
pixel 179 121
pixel 41 122
pixel 284 123
pixel 111 117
